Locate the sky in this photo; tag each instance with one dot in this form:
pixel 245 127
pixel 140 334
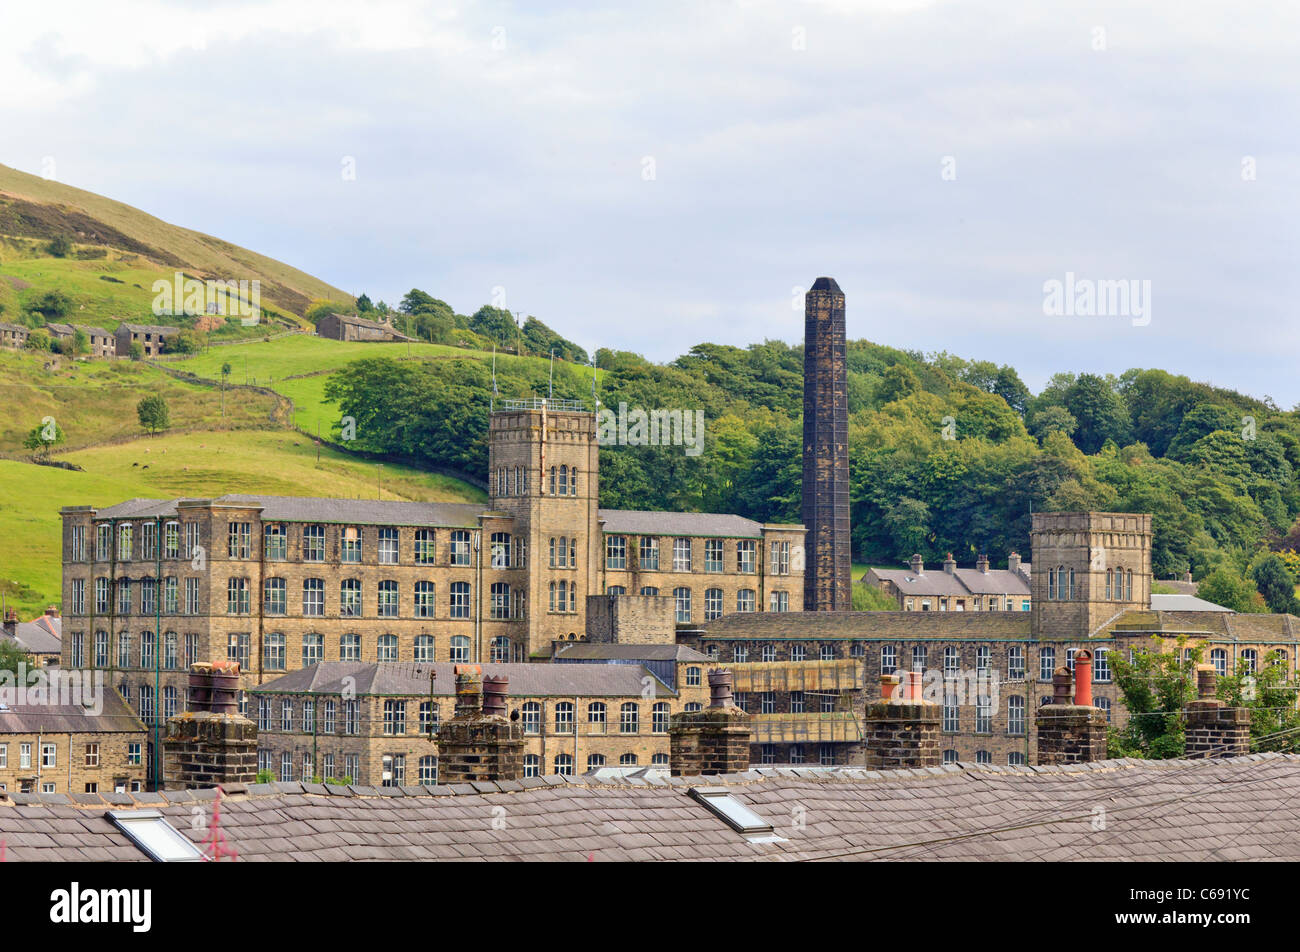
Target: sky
pixel 647 177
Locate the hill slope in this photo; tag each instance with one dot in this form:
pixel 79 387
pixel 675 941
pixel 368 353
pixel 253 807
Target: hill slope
pixel 37 209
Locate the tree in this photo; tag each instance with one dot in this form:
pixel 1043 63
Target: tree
pixel 1274 582
pixel 51 305
pixel 1156 688
pixel 1100 412
pixel 321 307
pixel 153 413
pixel 80 342
pixel 60 246
pixel 1227 588
pixel 136 350
pixel 39 339
pixel 363 305
pixel 43 437
pixel 186 342
pixel 1270 697
pixel 1053 419
pixel 12 657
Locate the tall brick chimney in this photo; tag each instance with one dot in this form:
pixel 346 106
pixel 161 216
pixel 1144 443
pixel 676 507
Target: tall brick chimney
pixel 917 564
pixel 902 728
pixel 982 563
pixel 1070 729
pixel 480 742
pixel 210 743
pixel 950 564
pixel 714 740
pixel 1215 730
pixel 825 510
pixel 11 622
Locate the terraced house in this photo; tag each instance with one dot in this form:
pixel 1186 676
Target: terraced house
pixel 377 724
pixel 281 583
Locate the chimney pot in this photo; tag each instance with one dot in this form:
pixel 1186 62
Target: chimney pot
pixel 720 688
pixel 982 563
pixel 496 689
pixel 1083 678
pixel 889 686
pixel 469 689
pixel 1062 685
pixel 1207 682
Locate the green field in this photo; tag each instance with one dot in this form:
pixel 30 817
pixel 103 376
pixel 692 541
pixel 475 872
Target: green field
pixel 198 464
pixel 93 401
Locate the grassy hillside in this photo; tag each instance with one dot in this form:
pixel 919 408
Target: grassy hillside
pixel 94 401
pixel 36 209
pixel 298 367
pixel 276 462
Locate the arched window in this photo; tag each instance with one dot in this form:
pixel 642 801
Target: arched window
pixel 1109 576
pixel 659 760
pixel 350 648
pixel 564 764
pixel 1071 589
pixel 768 652
pixel 659 718
pixel 693 674
pixel 552 480
pixel 564 717
pixel 499 650
pixel 424 599
pixel 1128 585
pixel 387 648
pixel 629 718
pixel 573 481
pixel 531 764
pixel 596 717
pixel 500 610
pixel 1051 584
pixel 564 481
pixel 595 761
pixel 1219 658
pixel 458 600
pixel 530 717
pixel 424 648
pixel 627 760
pixel 1248 661
pixel 459 648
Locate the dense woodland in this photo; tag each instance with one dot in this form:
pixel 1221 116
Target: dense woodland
pixel 947 455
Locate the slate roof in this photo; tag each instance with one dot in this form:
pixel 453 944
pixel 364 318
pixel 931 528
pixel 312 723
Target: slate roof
pixel 633 521
pixel 317 509
pixel 39 636
pixel 866 625
pixel 591 651
pixel 1222 625
pixel 115 716
pixel 1184 603
pixel 408 678
pixel 1192 811
pixel 960 582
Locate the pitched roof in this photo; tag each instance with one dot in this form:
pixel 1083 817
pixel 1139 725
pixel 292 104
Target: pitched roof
pixel 959 582
pixel 407 678
pixel 150 328
pixel 39 636
pixel 681 523
pixel 593 651
pixel 317 509
pixel 1184 603
pixel 866 625
pixel 1189 810
pixel 113 716
pixel 1221 625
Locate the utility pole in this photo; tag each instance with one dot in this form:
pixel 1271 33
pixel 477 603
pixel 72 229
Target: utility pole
pixel 381 481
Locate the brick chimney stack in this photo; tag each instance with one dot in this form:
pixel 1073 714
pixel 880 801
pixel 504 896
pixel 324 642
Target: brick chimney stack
pixel 1215 730
pixel 902 728
pixel 712 741
pixel 918 566
pixel 950 564
pixel 1013 562
pixel 480 742
pixel 210 743
pixel 982 563
pixel 1070 729
pixel 11 622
